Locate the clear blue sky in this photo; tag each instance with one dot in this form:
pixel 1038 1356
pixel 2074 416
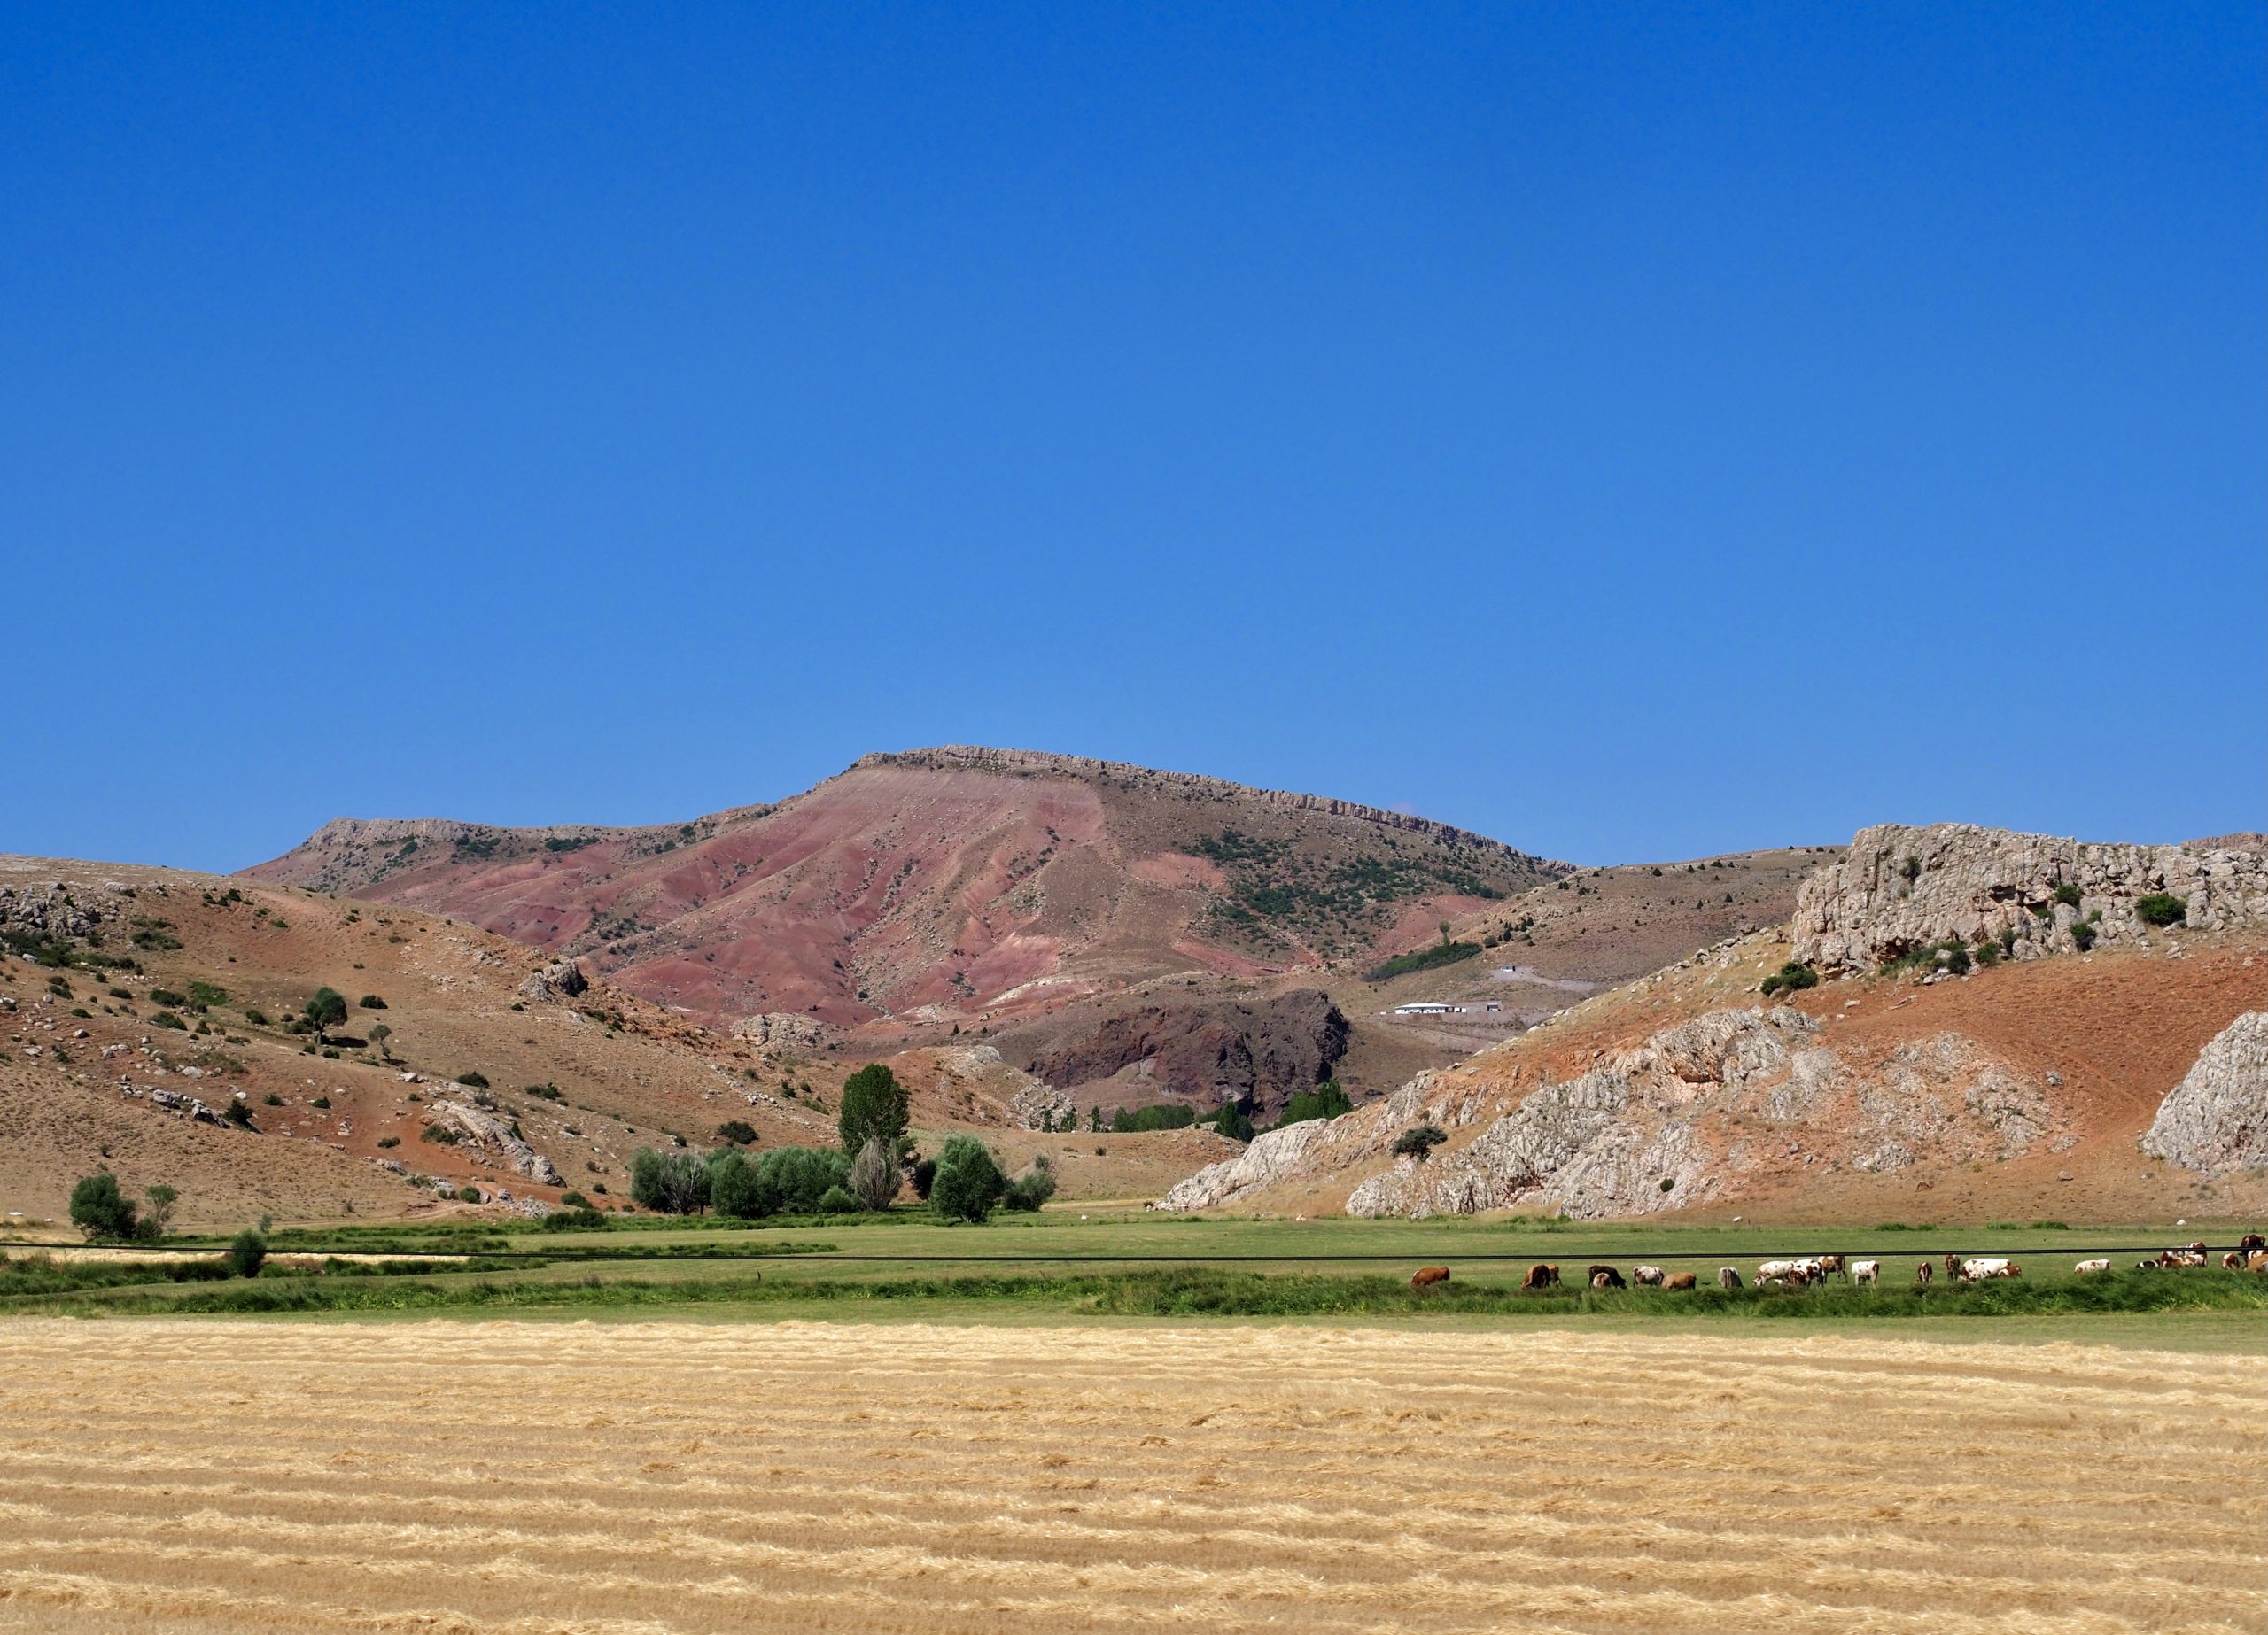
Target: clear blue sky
pixel 1634 432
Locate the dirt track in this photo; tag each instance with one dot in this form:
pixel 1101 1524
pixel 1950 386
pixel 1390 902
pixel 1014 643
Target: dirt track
pixel 812 1476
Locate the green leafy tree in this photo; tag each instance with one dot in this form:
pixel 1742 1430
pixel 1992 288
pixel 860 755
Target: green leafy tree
pixel 1325 1101
pixel 1232 1123
pixel 874 1174
pixel 737 1187
pixel 802 1176
pixel 247 1253
pixel 838 1201
pixel 1419 1142
pixel 99 1209
pixel 874 1104
pixel 675 1184
pixel 162 1199
pixel 326 1010
pixel 968 1182
pixel 1033 1188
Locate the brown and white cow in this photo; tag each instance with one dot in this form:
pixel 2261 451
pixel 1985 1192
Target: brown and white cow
pixel 1982 1267
pixel 2251 1240
pixel 1613 1279
pixel 1728 1277
pixel 1866 1271
pixel 1647 1276
pixel 1924 1272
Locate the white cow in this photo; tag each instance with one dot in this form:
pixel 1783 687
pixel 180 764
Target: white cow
pixel 1795 1272
pixel 1866 1271
pixel 1977 1270
pixel 1647 1276
pixel 2085 1266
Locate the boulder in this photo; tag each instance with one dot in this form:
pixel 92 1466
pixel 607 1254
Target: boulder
pixel 556 983
pixel 2216 1119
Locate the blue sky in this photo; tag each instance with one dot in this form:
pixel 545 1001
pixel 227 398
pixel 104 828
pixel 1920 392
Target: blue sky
pixel 1633 433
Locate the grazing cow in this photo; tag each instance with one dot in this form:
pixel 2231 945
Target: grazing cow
pixel 1982 1268
pixel 1866 1271
pixel 1953 1264
pixel 1428 1275
pixel 2250 1242
pixel 1795 1272
pixel 1832 1266
pixel 1728 1277
pixel 1647 1276
pixel 1924 1272
pixel 2087 1267
pixel 1612 1278
pixel 1540 1276
pixel 1680 1279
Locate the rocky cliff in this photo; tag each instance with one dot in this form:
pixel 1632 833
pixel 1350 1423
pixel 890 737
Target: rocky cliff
pixel 1254 1054
pixel 2216 1119
pixel 1899 889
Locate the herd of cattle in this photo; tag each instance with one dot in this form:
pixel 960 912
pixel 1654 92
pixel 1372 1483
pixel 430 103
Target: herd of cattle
pixel 2250 1255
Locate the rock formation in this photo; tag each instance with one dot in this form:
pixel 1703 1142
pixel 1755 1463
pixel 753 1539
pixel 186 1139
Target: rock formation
pixel 1254 1054
pixel 1899 889
pixel 497 1137
pixel 783 1030
pixel 2216 1119
pixel 556 983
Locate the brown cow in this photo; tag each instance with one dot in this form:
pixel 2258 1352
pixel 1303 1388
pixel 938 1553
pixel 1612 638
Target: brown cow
pixel 1924 1272
pixel 2251 1240
pixel 2232 1261
pixel 1679 1279
pixel 1428 1275
pixel 1613 1279
pixel 1832 1266
pixel 1542 1276
pixel 1953 1264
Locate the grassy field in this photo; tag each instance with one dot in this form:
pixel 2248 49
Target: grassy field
pixel 833 1477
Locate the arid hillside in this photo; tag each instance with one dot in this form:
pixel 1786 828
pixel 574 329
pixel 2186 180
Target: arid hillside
pixel 1958 1082
pixel 939 884
pixel 134 1067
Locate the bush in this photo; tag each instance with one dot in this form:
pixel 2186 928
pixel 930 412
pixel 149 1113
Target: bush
pixel 99 1209
pixel 968 1182
pixel 239 1114
pixel 578 1218
pixel 247 1253
pixel 1033 1188
pixel 874 1104
pixel 574 1200
pixel 158 995
pixel 166 1018
pixel 389 1141
pixel 371 1002
pixel 737 1132
pixel 1792 976
pixel 257 1016
pixel 836 1201
pixel 467 1195
pixel 206 995
pixel 874 1178
pixel 2162 908
pixel 925 1176
pixel 1419 1142
pixel 439 1134
pixel 2067 894
pixel 476 1079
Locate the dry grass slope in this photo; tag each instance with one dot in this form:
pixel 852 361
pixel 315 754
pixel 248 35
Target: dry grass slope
pixel 812 1476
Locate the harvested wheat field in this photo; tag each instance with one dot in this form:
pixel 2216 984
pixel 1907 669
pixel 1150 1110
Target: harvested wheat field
pixel 823 1476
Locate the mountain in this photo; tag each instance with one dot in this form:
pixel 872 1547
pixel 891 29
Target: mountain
pixel 1999 1025
pixel 138 1005
pixel 940 886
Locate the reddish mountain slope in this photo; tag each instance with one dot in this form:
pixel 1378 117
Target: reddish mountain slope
pixel 941 883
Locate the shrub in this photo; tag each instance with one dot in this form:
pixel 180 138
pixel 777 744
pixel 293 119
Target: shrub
pixel 2067 894
pixel 475 1079
pixel 925 1176
pixel 1792 976
pixel 737 1188
pixel 371 1002
pixel 737 1132
pixel 574 1200
pixel 2162 908
pixel 467 1195
pixel 547 1092
pixel 204 994
pixel 579 1218
pixel 158 995
pixel 836 1201
pixel 162 1199
pixel 273 1100
pixel 166 1018
pixel 99 1209
pixel 439 1134
pixel 874 1177
pixel 239 1114
pixel 1419 1142
pixel 968 1181
pixel 2083 934
pixel 1033 1188
pixel 247 1253
pixel 874 1104
pixel 389 1141
pixel 257 1016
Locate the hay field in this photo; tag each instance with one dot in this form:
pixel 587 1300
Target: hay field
pixel 819 1476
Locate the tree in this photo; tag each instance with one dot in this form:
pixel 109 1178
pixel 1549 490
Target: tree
pixel 1232 1123
pixel 326 1010
pixel 1033 1188
pixel 675 1184
pixel 874 1177
pixel 379 1034
pixel 247 1253
pixel 1445 933
pixel 1094 1119
pixel 1419 1142
pixel 873 1103
pixel 99 1209
pixel 802 1176
pixel 925 1176
pixel 968 1182
pixel 737 1187
pixel 162 1199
